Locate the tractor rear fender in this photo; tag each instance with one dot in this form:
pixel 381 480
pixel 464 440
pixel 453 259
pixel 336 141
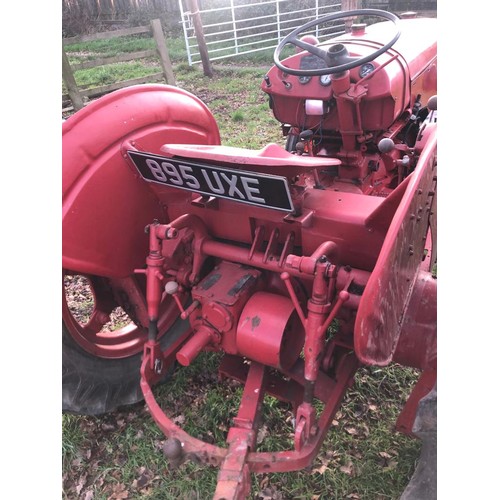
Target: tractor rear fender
pixel 105 204
pixel 385 301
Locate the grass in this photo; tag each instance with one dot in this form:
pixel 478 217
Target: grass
pixel 362 458
pixel 119 455
pixel 88 51
pixel 73 439
pixel 105 75
pixel 112 73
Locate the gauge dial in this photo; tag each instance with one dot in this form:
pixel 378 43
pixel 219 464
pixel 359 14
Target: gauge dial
pixel 366 69
pixel 304 79
pixel 325 80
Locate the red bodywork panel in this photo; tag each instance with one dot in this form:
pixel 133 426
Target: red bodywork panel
pixel 387 294
pixel 339 217
pixel 105 204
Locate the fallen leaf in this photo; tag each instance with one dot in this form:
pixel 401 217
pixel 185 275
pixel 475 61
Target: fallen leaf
pixel 180 419
pixel 270 493
pixel 347 469
pixel 262 434
pixel 322 469
pixel 119 496
pixel 352 431
pixel 119 492
pixel 383 454
pixel 81 484
pixel 89 495
pixel 391 465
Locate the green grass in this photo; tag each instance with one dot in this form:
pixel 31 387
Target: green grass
pixel 112 73
pixel 73 438
pixel 118 72
pixel 361 458
pixel 88 51
pixel 238 104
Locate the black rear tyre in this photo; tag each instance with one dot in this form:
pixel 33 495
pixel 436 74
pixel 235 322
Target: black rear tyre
pixel 423 484
pixel 92 385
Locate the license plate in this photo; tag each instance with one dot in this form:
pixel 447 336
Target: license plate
pixel 263 190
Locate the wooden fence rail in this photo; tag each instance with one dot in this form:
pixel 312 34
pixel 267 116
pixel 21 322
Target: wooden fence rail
pixel 76 95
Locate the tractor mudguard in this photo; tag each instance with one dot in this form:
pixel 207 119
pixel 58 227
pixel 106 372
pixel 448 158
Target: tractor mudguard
pixel 105 204
pixel 384 303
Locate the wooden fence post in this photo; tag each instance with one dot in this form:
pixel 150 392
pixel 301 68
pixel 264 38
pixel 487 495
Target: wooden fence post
pixel 348 5
pixel 69 80
pixel 161 47
pixel 200 38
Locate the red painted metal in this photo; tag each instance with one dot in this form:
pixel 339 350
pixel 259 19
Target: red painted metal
pixel 234 475
pixel 387 294
pixel 388 93
pixel 272 155
pixel 332 388
pixel 191 446
pixel 425 384
pixel 269 331
pixel 103 236
pixel 96 180
pixel 95 338
pixel 262 284
pixel 417 345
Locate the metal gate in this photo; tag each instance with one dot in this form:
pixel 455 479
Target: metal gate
pixel 235 27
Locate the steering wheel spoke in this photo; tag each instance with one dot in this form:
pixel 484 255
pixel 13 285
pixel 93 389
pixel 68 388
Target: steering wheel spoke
pixel 312 49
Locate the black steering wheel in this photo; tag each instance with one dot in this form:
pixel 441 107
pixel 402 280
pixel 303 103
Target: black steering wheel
pixel 336 57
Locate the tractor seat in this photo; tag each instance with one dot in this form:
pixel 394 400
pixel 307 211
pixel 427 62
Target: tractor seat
pixel 271 155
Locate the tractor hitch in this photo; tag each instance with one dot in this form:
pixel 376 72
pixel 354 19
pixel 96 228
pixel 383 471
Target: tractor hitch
pixel 240 458
pixel 234 311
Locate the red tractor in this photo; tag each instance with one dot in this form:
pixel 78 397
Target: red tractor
pixel 255 253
